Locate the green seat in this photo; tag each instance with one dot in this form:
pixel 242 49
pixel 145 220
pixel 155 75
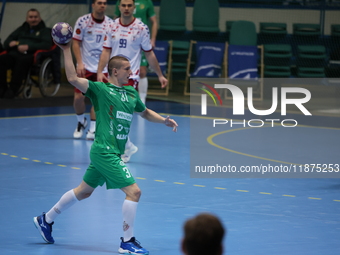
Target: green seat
pixel 180 47
pixel 311 72
pixel 306 29
pixel 277 60
pixel 311 56
pixel 277 71
pixel 180 52
pixel 335 30
pixel 243 33
pixel 278 50
pixel 172 15
pixel 312 51
pixel 277 54
pixel 206 16
pixel 273 28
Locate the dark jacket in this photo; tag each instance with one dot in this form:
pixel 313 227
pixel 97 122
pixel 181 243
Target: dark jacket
pixel 37 38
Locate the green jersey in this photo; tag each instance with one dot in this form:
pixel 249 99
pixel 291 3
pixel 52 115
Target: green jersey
pixel 114 107
pixel 144 10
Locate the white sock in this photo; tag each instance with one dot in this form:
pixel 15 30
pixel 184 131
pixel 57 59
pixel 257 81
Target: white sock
pixel 81 118
pixel 128 144
pixel 93 126
pixel 143 88
pixel 66 201
pixel 129 214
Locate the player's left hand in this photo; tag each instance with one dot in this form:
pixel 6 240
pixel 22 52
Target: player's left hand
pixel 171 123
pixel 163 81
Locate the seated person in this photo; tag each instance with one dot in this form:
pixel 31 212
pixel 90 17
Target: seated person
pixel 20 47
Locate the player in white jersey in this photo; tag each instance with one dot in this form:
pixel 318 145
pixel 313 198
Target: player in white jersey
pixel 128 37
pixel 88 37
pixel 129 40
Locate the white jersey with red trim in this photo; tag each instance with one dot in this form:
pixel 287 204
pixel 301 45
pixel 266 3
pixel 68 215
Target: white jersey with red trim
pixel 91 34
pixel 129 41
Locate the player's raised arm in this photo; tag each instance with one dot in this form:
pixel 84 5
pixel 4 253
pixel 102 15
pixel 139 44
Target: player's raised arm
pixel 71 74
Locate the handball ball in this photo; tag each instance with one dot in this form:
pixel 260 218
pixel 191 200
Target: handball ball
pixel 62 32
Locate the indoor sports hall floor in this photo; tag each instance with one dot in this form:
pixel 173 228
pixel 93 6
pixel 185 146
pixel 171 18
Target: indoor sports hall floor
pixel 39 161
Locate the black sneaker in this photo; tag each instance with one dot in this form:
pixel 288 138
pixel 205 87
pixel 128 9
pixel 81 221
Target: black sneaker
pixel 78 133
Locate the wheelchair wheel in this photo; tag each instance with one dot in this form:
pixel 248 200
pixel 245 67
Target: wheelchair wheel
pixel 27 89
pixel 46 84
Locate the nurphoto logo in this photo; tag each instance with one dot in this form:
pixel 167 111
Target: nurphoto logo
pixel 239 104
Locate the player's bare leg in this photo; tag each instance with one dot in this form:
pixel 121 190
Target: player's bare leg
pixel 79 107
pixel 129 244
pixel 45 221
pixel 143 84
pixel 92 130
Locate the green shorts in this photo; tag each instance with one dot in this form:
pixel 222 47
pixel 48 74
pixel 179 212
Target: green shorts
pixel 110 169
pixel 143 61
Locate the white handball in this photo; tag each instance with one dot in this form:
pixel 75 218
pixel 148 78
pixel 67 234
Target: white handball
pixel 62 32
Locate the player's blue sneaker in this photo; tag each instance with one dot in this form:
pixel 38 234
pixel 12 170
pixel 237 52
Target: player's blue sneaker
pixel 44 228
pixel 132 247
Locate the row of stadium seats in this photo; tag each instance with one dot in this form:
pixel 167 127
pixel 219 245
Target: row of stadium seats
pixel 304 53
pixel 190 58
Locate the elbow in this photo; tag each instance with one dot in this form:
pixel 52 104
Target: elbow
pixel 72 79
pixel 145 114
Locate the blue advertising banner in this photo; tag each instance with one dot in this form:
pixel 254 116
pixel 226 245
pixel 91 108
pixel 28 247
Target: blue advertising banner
pixel 209 59
pixel 242 62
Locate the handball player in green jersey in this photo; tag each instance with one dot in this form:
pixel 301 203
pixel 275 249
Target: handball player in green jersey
pixel 114 105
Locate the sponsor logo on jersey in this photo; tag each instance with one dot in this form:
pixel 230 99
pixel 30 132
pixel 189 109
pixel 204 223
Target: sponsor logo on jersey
pixel 120 127
pixel 124 116
pixel 99 31
pixel 78 31
pixel 121 137
pixel 95 53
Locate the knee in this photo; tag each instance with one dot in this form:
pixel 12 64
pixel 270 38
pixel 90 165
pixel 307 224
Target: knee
pixel 83 195
pixel 136 194
pixel 78 96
